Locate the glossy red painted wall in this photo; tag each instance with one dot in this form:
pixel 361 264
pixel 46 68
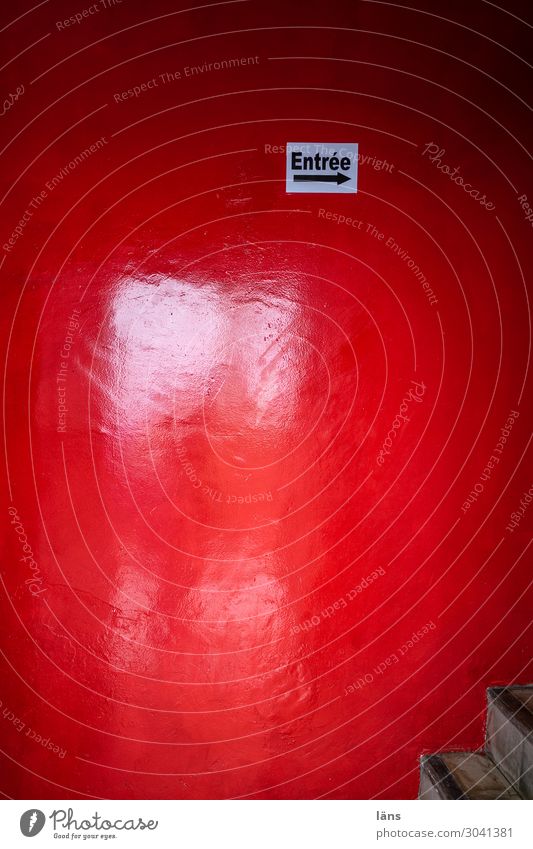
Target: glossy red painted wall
pixel 247 454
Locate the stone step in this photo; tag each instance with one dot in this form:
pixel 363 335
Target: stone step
pixel 463 775
pixel 509 740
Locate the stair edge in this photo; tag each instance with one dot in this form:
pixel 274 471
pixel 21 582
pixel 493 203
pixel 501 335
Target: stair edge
pixel 441 776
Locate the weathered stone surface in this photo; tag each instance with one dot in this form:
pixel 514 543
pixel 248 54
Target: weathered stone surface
pixel 504 770
pixel 510 735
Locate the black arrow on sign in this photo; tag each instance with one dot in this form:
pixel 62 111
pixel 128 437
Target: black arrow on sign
pixel 321 178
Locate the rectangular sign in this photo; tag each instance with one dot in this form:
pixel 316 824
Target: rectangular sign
pixel 328 168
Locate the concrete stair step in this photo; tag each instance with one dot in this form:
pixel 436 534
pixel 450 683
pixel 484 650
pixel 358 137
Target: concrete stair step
pixel 509 741
pixel 463 775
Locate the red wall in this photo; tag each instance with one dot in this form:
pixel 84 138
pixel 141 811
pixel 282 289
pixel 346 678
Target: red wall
pixel 222 570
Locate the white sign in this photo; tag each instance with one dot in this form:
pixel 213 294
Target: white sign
pixel 329 168
pixel 399 824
